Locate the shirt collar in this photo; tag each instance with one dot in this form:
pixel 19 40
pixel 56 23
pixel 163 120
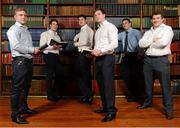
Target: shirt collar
pixel 52 32
pixel 83 26
pixel 162 25
pixel 129 30
pixel 103 23
pixel 20 25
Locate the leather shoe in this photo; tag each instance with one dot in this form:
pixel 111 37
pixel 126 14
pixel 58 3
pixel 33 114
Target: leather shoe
pixel 28 111
pixel 88 100
pixel 19 119
pixel 109 117
pixel 169 116
pixel 143 106
pixel 101 110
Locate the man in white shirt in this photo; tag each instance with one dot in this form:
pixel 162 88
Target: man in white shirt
pixel 157 41
pixel 83 41
pixel 21 49
pixel 51 57
pixel 106 40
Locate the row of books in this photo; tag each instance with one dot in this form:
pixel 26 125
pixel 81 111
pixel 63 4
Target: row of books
pixel 32 21
pixel 70 1
pixel 98 1
pixel 161 1
pixel 24 1
pixel 174 58
pixel 175 46
pixel 31 9
pixel 6 58
pixel 72 22
pixel 71 10
pixel 168 10
pixel 115 9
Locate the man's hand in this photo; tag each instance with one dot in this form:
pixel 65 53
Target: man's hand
pixel 36 50
pixel 96 52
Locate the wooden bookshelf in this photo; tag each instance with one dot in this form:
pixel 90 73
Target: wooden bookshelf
pixel 66 12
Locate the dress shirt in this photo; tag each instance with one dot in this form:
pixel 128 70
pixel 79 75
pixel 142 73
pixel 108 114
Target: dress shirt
pixel 133 38
pixel 20 41
pixel 85 38
pixel 46 38
pixel 157 41
pixel 106 37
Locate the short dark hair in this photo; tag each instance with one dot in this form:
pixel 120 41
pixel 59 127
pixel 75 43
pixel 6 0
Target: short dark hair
pixel 53 20
pixel 127 19
pixel 82 16
pixel 100 9
pixel 20 9
pixel 157 13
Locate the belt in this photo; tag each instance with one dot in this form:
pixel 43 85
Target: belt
pixel 22 58
pixel 156 56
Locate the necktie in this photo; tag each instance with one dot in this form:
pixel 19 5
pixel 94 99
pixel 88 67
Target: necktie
pixel 126 42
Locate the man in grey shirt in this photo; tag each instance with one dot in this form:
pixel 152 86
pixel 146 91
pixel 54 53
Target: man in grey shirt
pixel 21 49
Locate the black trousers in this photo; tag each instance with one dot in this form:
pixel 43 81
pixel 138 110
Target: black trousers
pixel 83 74
pixel 21 82
pixel 105 78
pixel 54 71
pixel 133 75
pixel 160 67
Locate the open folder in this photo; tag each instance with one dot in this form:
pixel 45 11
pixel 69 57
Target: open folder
pixel 52 42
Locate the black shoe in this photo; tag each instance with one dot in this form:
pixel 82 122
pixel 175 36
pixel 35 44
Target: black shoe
pixel 28 111
pixel 19 119
pixel 109 117
pixel 169 116
pixel 53 98
pixel 143 106
pixel 101 110
pixel 88 100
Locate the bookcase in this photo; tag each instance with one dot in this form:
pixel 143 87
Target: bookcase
pixel 66 12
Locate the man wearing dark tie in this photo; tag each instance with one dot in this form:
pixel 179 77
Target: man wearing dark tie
pixel 129 39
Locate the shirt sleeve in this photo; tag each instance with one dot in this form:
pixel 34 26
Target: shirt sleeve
pixel 14 39
pixel 146 40
pixel 163 39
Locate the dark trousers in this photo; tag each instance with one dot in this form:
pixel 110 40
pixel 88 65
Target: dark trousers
pixel 161 68
pixel 133 75
pixel 54 69
pixel 21 82
pixel 105 78
pixel 83 74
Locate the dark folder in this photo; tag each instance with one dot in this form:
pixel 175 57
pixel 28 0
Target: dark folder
pixel 52 42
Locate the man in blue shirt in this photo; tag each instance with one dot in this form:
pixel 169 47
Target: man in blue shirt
pixel 128 40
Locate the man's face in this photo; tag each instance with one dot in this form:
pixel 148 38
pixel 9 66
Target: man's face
pixel 126 25
pixel 82 21
pixel 21 17
pixel 157 20
pixel 54 26
pixel 99 16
